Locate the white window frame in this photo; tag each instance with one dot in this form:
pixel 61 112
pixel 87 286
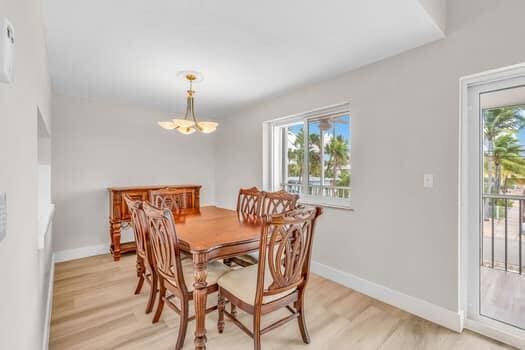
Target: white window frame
pixel 273 153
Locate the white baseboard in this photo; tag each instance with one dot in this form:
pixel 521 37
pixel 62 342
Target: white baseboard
pixel 49 305
pixel 422 308
pixel 79 253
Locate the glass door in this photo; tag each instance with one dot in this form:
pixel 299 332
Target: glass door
pixel 502 210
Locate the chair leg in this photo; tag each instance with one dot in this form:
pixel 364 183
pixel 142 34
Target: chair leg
pixel 220 307
pixel 299 306
pixel 152 292
pixel 183 326
pixel 160 305
pixel 233 310
pixel 257 330
pixel 140 274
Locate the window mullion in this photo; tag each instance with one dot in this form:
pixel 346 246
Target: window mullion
pixel 284 157
pixel 305 160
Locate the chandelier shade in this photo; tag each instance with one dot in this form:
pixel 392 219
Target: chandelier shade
pixel 207 127
pixel 189 124
pixel 167 125
pixel 183 123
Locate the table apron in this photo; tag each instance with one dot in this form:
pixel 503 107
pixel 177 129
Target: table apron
pixel 224 252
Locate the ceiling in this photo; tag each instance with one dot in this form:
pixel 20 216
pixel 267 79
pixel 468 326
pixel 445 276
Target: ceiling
pixel 246 50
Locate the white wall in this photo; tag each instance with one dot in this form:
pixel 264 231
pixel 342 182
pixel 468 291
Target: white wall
pixel 437 9
pixel 405 124
pixel 22 298
pixel 101 143
pixel 44 169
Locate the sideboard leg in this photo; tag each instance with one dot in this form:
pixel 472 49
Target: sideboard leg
pixel 115 233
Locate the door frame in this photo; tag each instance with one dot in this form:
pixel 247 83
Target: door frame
pixel 470 204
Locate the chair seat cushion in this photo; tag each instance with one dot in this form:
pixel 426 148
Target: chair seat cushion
pixel 215 270
pixel 243 284
pixel 246 260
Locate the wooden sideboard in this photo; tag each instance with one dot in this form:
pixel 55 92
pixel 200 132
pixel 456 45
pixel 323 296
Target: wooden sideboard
pixel 119 214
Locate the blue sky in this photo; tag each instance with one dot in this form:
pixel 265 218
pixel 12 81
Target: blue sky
pixel 521 136
pixel 521 133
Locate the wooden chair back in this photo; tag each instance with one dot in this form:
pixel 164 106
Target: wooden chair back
pixel 285 251
pixel 249 203
pixel 170 198
pixel 165 245
pixel 278 202
pixel 140 227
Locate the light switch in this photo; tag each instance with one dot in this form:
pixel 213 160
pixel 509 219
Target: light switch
pixel 3 215
pixel 428 180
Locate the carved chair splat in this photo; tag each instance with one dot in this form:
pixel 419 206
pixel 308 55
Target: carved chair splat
pixel 172 199
pixel 278 202
pixel 249 202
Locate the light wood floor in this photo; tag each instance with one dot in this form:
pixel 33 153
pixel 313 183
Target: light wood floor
pixel 94 308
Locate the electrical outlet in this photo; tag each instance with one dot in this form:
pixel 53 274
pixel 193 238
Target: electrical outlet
pixel 3 215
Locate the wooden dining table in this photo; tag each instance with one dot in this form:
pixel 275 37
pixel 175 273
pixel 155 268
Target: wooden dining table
pixel 213 234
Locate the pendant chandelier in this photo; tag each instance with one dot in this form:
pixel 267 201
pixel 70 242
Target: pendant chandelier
pixel 189 124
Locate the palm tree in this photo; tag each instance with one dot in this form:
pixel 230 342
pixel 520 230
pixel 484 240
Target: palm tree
pixel 314 155
pixel 344 178
pixel 508 160
pixel 297 154
pixel 337 149
pixel 497 121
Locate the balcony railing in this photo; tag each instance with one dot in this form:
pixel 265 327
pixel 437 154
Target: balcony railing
pixel 332 192
pixel 502 232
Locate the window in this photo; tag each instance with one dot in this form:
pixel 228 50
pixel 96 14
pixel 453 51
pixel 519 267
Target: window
pixel 309 154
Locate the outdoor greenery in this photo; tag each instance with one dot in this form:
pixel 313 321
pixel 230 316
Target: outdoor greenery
pixel 337 158
pixel 504 161
pixel 337 151
pixel 296 156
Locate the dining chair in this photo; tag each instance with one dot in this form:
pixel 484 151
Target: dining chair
pixel 278 280
pixel 146 268
pixel 174 199
pixel 249 201
pixel 278 202
pixel 175 274
pixel 270 203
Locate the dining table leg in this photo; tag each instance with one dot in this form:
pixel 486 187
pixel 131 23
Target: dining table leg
pixel 200 295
